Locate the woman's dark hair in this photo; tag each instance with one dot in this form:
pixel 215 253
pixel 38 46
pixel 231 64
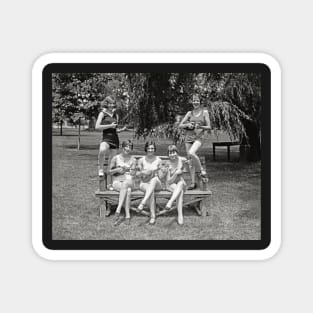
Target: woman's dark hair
pixel 193 95
pixel 171 148
pixel 150 143
pixel 127 143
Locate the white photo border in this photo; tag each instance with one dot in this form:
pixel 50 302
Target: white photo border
pixel 155 255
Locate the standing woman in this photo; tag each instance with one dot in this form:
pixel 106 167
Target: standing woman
pixel 195 123
pixel 148 167
pixel 122 168
pixel 107 122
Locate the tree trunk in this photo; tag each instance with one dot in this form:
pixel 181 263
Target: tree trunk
pixel 250 149
pixel 78 142
pixel 91 124
pixel 61 128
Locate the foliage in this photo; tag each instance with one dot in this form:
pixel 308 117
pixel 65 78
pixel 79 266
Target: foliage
pixel 151 102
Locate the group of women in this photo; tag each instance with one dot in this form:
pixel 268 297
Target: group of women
pixel 152 173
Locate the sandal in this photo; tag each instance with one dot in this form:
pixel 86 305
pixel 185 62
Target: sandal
pixel 140 207
pixel 127 221
pixel 180 223
pixel 108 212
pixel 203 173
pixel 167 208
pixel 117 219
pixel 192 186
pixel 152 221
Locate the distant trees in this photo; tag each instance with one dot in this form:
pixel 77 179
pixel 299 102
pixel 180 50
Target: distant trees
pixel 150 101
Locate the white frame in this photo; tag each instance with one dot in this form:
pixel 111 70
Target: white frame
pixel 171 255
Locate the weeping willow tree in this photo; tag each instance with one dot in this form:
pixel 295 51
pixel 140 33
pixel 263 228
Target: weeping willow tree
pixel 232 99
pixel 150 102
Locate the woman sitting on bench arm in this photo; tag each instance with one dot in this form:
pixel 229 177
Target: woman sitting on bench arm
pixel 122 169
pixel 148 167
pixel 175 182
pixel 195 123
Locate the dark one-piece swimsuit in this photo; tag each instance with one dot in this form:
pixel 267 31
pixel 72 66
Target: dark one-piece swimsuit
pixel 110 135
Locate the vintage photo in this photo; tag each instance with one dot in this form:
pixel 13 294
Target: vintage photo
pixel 156 155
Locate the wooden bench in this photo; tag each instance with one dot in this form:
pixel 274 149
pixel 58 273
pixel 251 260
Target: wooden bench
pixel 199 197
pixel 227 144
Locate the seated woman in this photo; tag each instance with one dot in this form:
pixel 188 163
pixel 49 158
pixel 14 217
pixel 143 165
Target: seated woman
pixel 175 181
pixel 122 168
pixel 148 168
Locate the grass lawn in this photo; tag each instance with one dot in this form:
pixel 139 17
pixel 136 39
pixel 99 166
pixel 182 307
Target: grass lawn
pixel 234 214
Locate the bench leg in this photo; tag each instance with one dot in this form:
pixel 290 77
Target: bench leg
pixel 204 206
pixel 198 208
pixel 102 208
pixel 228 153
pixel 213 152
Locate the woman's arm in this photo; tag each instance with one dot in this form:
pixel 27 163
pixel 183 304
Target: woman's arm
pixel 171 179
pixel 119 130
pixel 183 123
pixel 113 169
pixel 207 121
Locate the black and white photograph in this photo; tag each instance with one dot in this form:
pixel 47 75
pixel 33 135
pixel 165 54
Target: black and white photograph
pixel 157 155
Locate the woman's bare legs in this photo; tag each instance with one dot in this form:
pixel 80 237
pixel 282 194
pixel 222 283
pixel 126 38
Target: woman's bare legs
pixel 124 192
pixel 152 208
pixel 104 150
pixel 178 188
pixel 180 216
pixel 127 204
pixel 112 153
pixel 124 196
pixel 151 199
pixel 154 182
pixel 191 153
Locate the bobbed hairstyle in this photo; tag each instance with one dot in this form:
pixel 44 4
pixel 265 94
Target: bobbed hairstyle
pixel 106 101
pixel 150 143
pixel 171 148
pixel 195 95
pixel 127 143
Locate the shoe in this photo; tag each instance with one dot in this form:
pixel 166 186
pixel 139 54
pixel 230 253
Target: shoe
pixel 152 221
pixel 140 207
pixel 117 219
pixel 108 212
pixel 101 173
pixel 127 221
pixel 192 186
pixel 167 208
pixel 110 187
pixel 180 222
pixel 203 173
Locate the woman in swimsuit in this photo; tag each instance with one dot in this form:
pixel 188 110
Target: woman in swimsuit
pixel 122 169
pixel 175 181
pixel 149 166
pixel 107 122
pixel 195 123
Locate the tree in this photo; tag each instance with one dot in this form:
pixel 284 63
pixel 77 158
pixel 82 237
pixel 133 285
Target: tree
pixel 232 99
pixel 151 101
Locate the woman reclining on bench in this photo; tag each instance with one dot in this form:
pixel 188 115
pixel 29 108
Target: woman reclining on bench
pixel 122 168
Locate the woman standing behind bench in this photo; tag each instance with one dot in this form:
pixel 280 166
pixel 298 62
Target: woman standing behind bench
pixel 175 182
pixel 107 122
pixel 195 122
pixel 149 166
pixel 122 168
